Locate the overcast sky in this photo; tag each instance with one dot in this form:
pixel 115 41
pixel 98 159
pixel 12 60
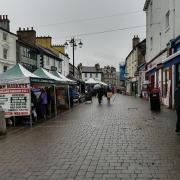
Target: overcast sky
pixel 98 23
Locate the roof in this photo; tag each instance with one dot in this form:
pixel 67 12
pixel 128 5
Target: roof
pixel 45 74
pixel 17 71
pixel 91 69
pixel 55 73
pixel 48 52
pixel 138 45
pixel 146 5
pixel 7 31
pixel 26 44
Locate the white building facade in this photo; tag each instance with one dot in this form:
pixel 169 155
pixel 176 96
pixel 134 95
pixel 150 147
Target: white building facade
pixel 162 28
pixel 65 64
pixel 7 45
pixel 91 72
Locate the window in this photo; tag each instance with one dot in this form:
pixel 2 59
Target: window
pixel 90 75
pixel 85 74
pixel 5 53
pixel 5 68
pixel 151 43
pixel 167 19
pixel 151 13
pixel 4 36
pixel 47 60
pixel 59 64
pixel 96 75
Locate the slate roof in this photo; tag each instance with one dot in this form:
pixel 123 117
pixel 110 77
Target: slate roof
pixel 90 69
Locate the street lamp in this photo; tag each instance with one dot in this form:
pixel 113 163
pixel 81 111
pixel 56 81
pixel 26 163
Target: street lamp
pixel 73 43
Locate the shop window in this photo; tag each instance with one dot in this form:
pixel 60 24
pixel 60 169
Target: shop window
pixel 178 73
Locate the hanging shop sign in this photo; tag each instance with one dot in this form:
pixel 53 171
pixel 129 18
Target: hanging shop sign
pixel 15 99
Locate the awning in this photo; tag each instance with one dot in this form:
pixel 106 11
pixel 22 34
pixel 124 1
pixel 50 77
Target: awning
pixel 45 74
pixel 151 71
pixel 174 60
pixel 57 74
pixel 91 81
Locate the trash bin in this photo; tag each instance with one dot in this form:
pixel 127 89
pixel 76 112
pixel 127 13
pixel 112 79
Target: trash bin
pixel 3 129
pixel 155 100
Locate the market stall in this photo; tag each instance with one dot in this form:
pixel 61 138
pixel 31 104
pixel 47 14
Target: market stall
pixel 58 93
pixel 15 92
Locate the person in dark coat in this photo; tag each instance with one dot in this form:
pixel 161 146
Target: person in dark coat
pixel 100 94
pixel 177 106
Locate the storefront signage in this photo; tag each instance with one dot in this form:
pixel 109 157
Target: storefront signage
pixel 40 80
pixel 15 99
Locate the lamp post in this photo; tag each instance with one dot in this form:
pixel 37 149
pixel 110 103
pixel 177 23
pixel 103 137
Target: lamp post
pixel 73 43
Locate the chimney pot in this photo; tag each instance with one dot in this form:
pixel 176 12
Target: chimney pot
pixel 0 17
pixel 27 29
pixel 6 16
pixel 19 28
pixel 23 29
pixel 3 17
pixel 31 28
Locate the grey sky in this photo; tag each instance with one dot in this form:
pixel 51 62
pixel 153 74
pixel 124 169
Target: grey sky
pixel 63 19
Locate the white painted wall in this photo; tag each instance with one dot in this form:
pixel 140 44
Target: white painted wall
pixel 156 25
pixel 132 63
pixel 99 76
pixel 65 64
pixel 52 62
pixel 9 44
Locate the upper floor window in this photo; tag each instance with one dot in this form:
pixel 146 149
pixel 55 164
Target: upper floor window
pixel 90 75
pixel 5 36
pixel 47 60
pixel 59 64
pixel 85 74
pixel 151 13
pixel 96 75
pixel 167 19
pixel 151 43
pixel 5 53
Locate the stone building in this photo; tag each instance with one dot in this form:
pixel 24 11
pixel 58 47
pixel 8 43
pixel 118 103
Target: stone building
pixel 109 75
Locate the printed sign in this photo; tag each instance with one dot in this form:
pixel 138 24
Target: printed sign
pixel 15 99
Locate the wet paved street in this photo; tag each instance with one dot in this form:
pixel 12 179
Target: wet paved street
pixel 122 141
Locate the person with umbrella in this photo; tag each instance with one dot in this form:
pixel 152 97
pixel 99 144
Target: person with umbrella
pixel 100 93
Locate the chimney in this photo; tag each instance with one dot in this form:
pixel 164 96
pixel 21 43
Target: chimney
pixel 27 35
pixel 135 41
pixel 4 22
pixel 44 41
pixel 59 48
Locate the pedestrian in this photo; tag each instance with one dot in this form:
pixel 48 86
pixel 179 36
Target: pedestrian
pixel 100 94
pixel 71 95
pixel 43 103
pixel 108 94
pixel 177 106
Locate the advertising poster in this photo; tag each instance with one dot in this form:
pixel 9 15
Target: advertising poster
pixel 15 99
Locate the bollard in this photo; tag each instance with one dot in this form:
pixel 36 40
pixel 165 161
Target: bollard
pixel 3 129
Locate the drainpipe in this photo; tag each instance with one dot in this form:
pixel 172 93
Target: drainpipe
pixel 174 19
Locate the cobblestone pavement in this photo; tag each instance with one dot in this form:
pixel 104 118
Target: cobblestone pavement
pixel 122 141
